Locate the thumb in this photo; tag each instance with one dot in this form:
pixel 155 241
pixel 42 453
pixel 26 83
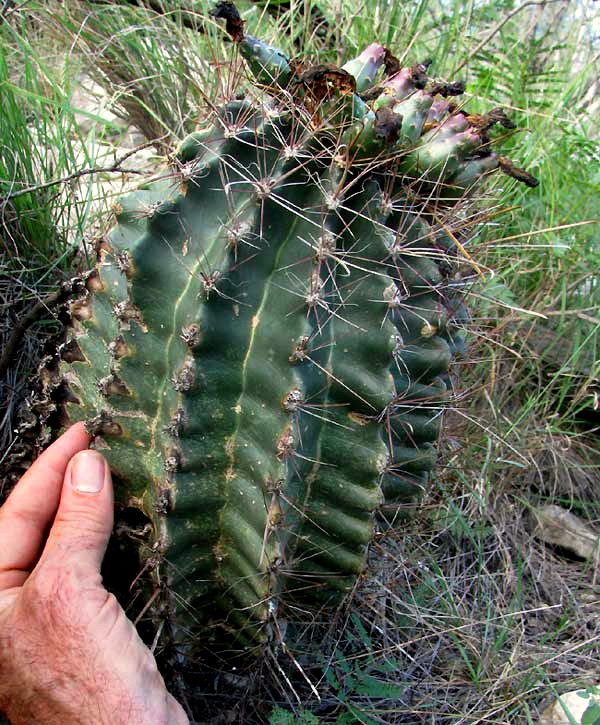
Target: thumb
pixel 84 520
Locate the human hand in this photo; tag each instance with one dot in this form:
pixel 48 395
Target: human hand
pixel 68 653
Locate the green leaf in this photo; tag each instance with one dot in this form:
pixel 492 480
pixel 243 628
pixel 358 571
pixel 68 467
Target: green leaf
pixel 592 715
pixel 279 716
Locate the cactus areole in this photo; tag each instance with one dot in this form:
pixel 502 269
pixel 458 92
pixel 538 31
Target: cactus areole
pixel 263 351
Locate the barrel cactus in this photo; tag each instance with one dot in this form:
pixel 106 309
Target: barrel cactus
pixel 263 350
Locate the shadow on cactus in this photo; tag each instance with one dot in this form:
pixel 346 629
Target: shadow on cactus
pixel 264 349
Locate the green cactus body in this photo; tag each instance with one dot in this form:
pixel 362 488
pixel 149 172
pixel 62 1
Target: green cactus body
pixel 263 354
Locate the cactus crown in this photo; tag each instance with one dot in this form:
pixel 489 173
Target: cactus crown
pixel 263 351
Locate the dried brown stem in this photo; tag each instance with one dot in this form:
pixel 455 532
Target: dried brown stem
pixel 35 314
pixel 112 169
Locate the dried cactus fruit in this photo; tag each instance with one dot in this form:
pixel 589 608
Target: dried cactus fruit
pixel 264 355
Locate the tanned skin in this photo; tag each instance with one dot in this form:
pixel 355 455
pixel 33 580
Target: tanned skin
pixel 68 652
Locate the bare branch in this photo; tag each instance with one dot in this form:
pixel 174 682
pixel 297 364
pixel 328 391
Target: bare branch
pixel 115 168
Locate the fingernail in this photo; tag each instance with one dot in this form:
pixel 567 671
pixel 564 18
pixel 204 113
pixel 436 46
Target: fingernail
pixel 88 471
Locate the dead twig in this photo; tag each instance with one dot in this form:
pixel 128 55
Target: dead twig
pixel 117 167
pixel 35 313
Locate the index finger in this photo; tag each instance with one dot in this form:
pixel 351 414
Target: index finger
pixel 31 507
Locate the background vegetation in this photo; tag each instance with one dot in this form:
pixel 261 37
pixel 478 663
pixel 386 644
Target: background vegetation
pixel 465 616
